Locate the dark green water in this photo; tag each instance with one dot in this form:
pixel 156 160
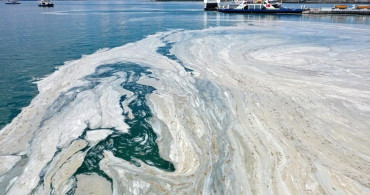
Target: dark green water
pixel 140 142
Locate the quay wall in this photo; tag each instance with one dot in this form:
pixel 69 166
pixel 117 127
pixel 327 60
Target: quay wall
pixel 308 1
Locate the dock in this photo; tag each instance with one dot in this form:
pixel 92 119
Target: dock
pixel 338 11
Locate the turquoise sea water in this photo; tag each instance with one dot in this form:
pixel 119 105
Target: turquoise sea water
pixel 34 41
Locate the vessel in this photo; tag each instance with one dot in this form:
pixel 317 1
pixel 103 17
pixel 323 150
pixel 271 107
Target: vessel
pixel 340 6
pixel 257 6
pixel 363 7
pixel 12 2
pixel 46 3
pixel 211 5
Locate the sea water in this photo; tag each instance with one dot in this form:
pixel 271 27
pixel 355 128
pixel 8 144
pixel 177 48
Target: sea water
pixel 34 41
pixel 159 97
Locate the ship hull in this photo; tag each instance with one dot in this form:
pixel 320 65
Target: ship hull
pixel 49 5
pixel 266 11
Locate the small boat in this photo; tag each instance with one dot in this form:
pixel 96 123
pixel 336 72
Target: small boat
pixel 267 6
pixel 46 3
pixel 12 2
pixel 363 7
pixel 211 5
pixel 340 6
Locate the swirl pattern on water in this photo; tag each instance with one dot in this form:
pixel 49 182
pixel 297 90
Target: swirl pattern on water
pixel 229 110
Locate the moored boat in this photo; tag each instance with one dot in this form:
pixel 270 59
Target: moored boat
pixel 257 6
pixel 211 5
pixel 363 7
pixel 46 3
pixel 340 6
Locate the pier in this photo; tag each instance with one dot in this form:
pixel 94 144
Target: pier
pixel 337 11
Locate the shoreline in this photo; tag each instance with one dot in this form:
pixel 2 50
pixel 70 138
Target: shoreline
pixel 293 1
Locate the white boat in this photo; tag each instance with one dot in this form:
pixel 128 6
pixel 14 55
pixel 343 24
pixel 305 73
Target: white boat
pixel 214 5
pixel 46 3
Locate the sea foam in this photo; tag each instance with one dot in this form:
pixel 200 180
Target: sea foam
pixel 237 110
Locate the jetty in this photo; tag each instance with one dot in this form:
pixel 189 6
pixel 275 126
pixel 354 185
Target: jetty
pixel 323 11
pixel 341 9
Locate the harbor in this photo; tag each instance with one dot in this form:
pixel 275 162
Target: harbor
pixel 341 9
pixel 276 7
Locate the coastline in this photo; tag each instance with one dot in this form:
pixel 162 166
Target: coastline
pixel 305 1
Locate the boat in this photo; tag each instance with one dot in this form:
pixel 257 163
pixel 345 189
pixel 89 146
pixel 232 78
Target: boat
pixel 363 7
pixel 257 6
pixel 46 3
pixel 340 6
pixel 12 2
pixel 211 5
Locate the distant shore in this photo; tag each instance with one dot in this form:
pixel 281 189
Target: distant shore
pixel 328 1
pixel 308 1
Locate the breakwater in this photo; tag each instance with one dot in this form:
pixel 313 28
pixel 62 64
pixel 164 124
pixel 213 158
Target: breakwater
pixel 307 1
pixel 328 1
pixel 334 11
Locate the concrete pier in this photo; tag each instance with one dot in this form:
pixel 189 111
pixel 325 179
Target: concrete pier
pixel 338 11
